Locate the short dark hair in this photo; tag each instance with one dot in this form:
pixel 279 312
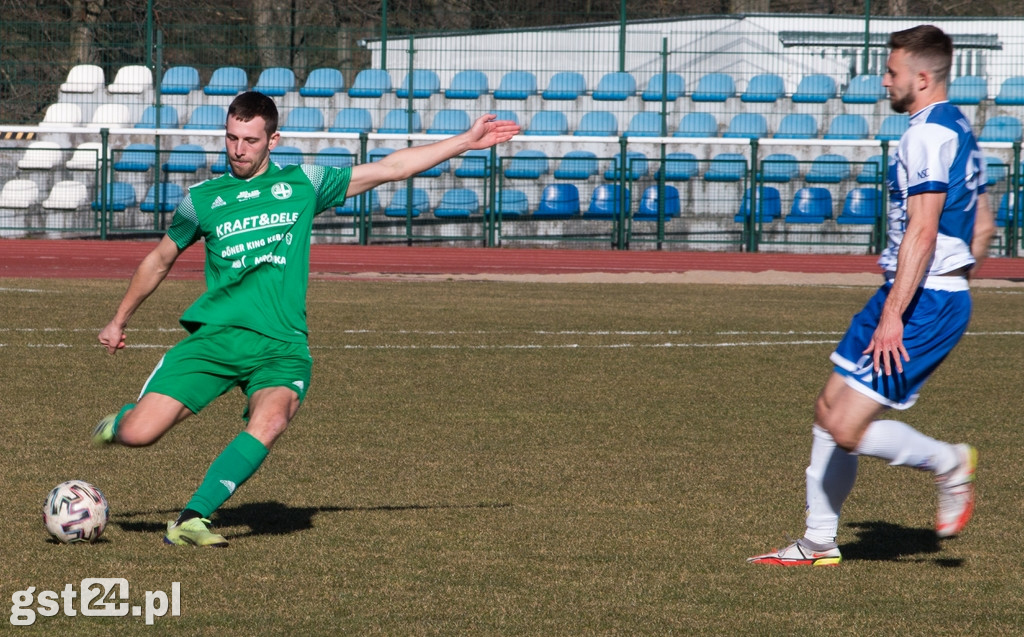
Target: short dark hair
pixel 255 104
pixel 929 44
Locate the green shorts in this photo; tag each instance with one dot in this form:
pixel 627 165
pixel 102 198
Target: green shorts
pixel 213 359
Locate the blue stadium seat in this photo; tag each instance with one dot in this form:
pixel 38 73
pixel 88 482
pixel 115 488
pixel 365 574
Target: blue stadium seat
pixel 467 85
pixel 548 123
pixel 565 85
pixel 615 87
pixel 516 85
pixel 207 117
pixel 847 126
pixel 797 126
pixel 475 164
pixel 449 122
pixel 674 87
pixel 863 206
pixel 815 89
pixel 873 171
pixel 424 83
pixel 120 196
pixel 527 164
pixel 558 201
pixel 830 168
pixel 286 155
pixel 714 87
pixel 352 120
pixel 726 167
pixel 396 121
pixel 275 81
pixel 1005 211
pixel 436 170
pixel 304 119
pixel 779 168
pixel 649 204
pixel 697 125
pixel 168 117
pixel 968 89
pixel 995 170
pixel 644 125
pixel 334 157
pixel 679 167
pixel 370 83
pixel 1003 128
pixel 597 124
pixel 163 197
pixel 769 206
pixel 227 80
pixel 577 164
pixel 747 125
pixel 766 87
pixel 636 166
pixel 379 153
pixel 220 164
pixel 604 202
pixel 185 158
pixel 504 115
pixel 366 203
pixel 864 89
pixel 179 80
pixel 400 200
pixel 138 157
pixel 1011 93
pixel 511 204
pixel 323 82
pixel 457 203
pixel 810 205
pixel 893 126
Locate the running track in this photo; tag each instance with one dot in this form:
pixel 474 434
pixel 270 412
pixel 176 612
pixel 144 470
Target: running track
pixel 117 259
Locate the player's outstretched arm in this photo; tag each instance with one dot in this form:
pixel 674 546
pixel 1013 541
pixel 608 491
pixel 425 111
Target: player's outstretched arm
pixel 148 276
pixel 406 162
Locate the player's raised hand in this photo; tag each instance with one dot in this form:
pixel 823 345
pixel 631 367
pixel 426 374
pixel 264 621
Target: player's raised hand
pixel 488 131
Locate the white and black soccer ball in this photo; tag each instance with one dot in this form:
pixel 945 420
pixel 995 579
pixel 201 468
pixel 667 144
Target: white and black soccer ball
pixel 75 511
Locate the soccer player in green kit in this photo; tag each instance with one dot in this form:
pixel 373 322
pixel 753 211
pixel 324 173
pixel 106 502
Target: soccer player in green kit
pixel 249 328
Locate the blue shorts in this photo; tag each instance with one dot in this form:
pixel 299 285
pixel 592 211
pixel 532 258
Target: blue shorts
pixel 932 326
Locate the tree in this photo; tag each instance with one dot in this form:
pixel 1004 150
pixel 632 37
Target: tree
pixel 85 15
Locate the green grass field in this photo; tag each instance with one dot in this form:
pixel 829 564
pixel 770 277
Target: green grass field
pixel 515 459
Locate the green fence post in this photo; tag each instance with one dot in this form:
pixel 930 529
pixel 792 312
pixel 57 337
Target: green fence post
pixel 363 222
pixel 881 217
pixel 752 224
pixel 1013 223
pixel 104 146
pixel 490 187
pixel 618 224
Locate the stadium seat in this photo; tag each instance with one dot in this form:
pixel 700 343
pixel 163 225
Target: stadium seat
pixel 365 203
pixel 66 195
pixel 636 166
pixel 503 115
pixel 797 126
pixel 424 83
pixel 864 89
pixel 847 126
pixel 558 201
pixel 112 116
pixel 83 78
pixel 275 81
pixel 714 87
pixel 615 87
pixel 548 123
pixel 400 203
pixel 644 125
pixel 179 80
pixel 769 206
pixel 467 85
pixel 527 164
pixel 873 171
pixel 87 156
pixel 597 124
pixel 286 155
pixel 227 80
pixel 323 82
pixel 19 193
pixel 565 85
pixel 475 164
pixel 893 126
pixel 1005 211
pixel 163 197
pixel 815 89
pixel 679 167
pixel 436 170
pixel 352 120
pixel 697 125
pixel 748 126
pixel 726 167
pixel 577 164
pixel 119 196
pixel 511 204
pixel 379 153
pixel 605 204
pixel 671 85
pixel 334 157
pixel 168 117
pixel 810 205
pixel 516 85
pixel 968 90
pixel 40 155
pixel 649 204
pixel 1011 93
pixel 133 79
pixel 138 157
pixel 397 121
pixel 457 203
pixel 1003 128
pixel 304 119
pixel 62 115
pixel 995 170
pixel 863 206
pixel 449 122
pixel 185 158
pixel 207 117
pixel 370 83
pixel 766 87
pixel 220 164
pixel 830 168
pixel 779 168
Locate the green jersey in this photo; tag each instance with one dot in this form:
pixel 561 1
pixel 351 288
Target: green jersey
pixel 257 235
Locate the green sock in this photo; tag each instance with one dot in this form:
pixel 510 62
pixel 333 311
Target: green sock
pixel 236 464
pixel 119 416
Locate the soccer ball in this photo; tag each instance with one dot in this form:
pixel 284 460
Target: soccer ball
pixel 75 511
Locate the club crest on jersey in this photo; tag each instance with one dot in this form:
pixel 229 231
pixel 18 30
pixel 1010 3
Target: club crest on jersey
pixel 281 190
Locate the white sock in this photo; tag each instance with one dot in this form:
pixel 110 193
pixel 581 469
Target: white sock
pixel 830 478
pixel 901 445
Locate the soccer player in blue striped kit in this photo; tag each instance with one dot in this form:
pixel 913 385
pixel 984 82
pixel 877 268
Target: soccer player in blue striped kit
pixel 940 226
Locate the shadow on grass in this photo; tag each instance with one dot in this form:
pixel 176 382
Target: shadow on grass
pixel 884 541
pixel 275 518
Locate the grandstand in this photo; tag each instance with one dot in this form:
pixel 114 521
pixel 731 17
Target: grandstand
pixel 689 129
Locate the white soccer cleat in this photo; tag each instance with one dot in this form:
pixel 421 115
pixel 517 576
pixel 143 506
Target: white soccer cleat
pixel 956 493
pixel 801 553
